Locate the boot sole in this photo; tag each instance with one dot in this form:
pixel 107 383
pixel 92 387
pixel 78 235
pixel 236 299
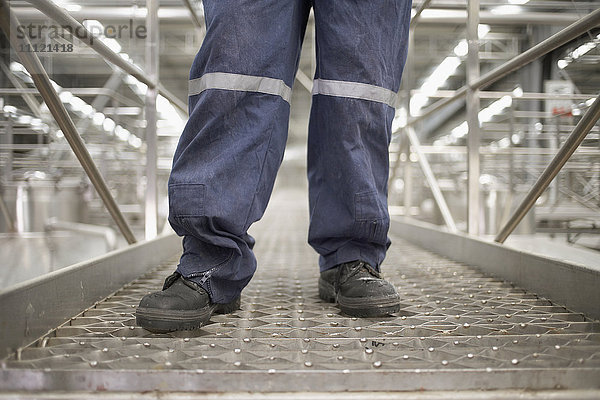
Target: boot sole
pixel 158 320
pixel 364 308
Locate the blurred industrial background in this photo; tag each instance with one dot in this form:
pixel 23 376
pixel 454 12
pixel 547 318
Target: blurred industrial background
pixel 524 118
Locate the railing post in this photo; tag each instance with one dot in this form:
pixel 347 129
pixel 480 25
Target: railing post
pixel 473 138
pixel 152 65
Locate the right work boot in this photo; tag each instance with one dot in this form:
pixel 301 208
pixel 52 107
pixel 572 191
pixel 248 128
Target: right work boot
pixel 181 305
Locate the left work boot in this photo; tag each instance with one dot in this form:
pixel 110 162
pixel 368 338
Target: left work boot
pixel 181 305
pixel 359 290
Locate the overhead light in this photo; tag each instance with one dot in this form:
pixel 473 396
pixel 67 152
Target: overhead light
pixel 93 25
pixel 24 119
pixel 504 143
pixel 562 64
pixel 438 77
pixel 462 48
pixel 460 131
pixel 583 49
pixel 135 141
pixel 400 119
pixel 65 96
pixel 98 118
pixel 87 110
pixel 482 30
pixel 484 115
pixel 17 67
pixel 167 112
pixel 517 92
pixel 494 109
pixel 112 44
pixel 9 109
pixel 108 125
pixel 67 6
pixel 77 104
pixel 506 10
pixel 122 133
pixel 578 52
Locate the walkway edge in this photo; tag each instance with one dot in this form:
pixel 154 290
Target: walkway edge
pixel 30 309
pixel 571 285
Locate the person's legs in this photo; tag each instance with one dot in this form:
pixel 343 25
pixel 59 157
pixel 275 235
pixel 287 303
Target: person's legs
pixel 229 153
pixel 361 50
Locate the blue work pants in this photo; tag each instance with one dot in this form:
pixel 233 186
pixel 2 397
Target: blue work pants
pixel 228 155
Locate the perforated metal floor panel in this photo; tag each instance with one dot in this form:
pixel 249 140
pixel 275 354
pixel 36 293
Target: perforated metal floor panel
pixel 457 329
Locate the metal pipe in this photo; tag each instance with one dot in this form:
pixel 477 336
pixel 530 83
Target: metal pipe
pixel 152 65
pixel 562 156
pixel 195 18
pixel 474 135
pixel 415 19
pixel 64 19
pixel 495 94
pixel 433 184
pixel 564 36
pixel 9 24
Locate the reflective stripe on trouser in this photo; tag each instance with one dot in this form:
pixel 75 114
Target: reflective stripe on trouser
pixel 232 146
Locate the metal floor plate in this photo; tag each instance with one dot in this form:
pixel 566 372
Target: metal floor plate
pixel 457 329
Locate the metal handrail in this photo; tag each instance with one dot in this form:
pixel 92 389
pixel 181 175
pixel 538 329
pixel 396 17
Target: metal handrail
pixel 31 62
pixel 62 17
pixel 562 156
pixel 558 39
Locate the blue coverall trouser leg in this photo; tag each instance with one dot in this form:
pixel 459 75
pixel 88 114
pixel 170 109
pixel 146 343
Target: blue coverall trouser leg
pixel 228 155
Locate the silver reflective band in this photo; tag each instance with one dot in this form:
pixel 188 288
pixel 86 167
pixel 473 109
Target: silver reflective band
pixel 355 90
pixel 244 83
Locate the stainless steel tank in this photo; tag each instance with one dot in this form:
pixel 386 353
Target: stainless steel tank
pixel 36 197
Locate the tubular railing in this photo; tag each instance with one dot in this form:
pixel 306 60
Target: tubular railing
pixel 62 17
pixel 562 37
pixel 30 60
pixel 41 80
pixel 42 83
pixel 558 39
pixel 562 156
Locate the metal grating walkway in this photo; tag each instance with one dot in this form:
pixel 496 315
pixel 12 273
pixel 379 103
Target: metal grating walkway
pixel 458 329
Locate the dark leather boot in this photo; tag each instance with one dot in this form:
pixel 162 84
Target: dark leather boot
pixel 359 290
pixel 181 305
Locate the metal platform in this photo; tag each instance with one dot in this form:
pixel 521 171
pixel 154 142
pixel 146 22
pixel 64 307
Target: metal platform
pixel 458 330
